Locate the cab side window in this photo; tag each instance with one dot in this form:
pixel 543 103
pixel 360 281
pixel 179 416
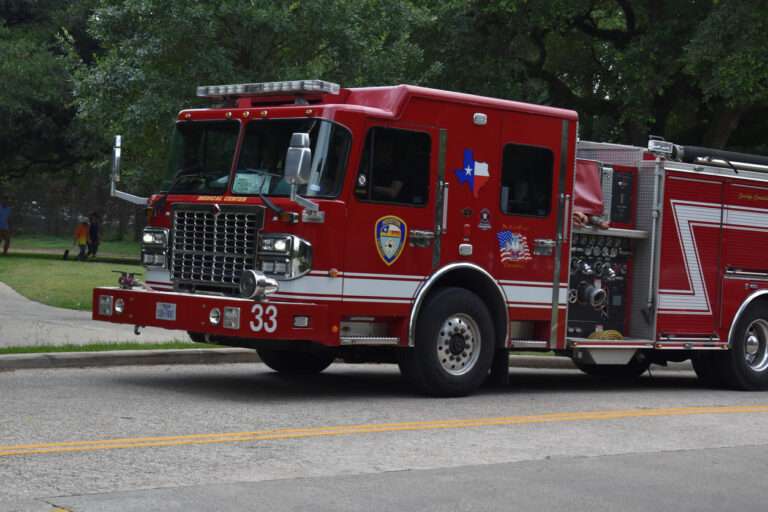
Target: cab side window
pixel 394 167
pixel 526 180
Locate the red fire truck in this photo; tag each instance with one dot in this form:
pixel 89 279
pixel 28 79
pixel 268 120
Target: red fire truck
pixel 434 230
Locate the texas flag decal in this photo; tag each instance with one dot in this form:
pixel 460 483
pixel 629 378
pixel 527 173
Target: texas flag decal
pixel 474 173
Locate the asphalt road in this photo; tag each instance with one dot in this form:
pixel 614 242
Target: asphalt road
pixel 235 437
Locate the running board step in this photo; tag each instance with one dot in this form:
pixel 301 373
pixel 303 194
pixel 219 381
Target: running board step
pixel 369 340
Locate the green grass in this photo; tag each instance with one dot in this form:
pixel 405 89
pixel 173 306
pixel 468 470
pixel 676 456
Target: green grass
pixel 57 245
pixel 56 282
pixel 102 347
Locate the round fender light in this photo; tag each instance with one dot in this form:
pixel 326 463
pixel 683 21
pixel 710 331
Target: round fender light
pixel 249 282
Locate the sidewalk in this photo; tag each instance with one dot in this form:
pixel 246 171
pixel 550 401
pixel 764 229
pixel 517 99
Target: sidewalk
pixel 25 322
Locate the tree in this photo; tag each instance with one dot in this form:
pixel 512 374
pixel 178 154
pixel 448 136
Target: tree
pixel 685 69
pixel 729 57
pixel 155 52
pixel 39 131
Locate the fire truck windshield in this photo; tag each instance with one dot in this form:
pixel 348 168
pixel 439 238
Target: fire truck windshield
pixel 201 157
pixel 261 166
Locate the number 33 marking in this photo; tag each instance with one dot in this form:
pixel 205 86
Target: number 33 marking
pixel 264 318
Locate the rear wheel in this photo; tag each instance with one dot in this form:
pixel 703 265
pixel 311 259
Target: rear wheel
pixel 745 366
pixel 294 362
pixel 454 344
pixel 632 370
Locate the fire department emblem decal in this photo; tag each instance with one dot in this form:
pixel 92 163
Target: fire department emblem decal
pixel 513 247
pixel 391 233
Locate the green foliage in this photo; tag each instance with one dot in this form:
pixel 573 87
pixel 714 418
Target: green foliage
pixel 729 53
pixel 75 73
pixel 39 131
pixel 156 52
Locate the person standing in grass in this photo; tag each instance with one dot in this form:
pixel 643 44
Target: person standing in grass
pixel 94 234
pixel 5 224
pixel 81 238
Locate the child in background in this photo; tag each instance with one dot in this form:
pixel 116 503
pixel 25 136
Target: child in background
pixel 81 238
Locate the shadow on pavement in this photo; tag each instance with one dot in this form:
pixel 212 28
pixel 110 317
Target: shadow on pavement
pixel 348 382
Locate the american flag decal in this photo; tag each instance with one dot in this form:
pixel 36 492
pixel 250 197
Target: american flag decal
pixel 513 247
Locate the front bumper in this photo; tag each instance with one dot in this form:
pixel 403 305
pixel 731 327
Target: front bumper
pixel 239 318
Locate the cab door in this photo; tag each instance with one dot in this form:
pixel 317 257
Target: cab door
pixel 533 226
pixel 391 220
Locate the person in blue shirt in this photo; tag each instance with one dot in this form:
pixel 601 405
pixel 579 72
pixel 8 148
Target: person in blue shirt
pixel 5 225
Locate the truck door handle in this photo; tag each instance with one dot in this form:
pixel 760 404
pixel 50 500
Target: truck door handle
pixel 421 238
pixel 543 247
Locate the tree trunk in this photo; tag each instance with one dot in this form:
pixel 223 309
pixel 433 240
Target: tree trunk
pixel 724 122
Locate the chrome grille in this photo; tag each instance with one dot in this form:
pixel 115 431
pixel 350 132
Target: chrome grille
pixel 212 245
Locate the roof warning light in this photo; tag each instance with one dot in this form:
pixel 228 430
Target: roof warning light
pixel 268 88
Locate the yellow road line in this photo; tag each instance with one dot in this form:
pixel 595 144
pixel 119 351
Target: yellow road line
pixel 373 428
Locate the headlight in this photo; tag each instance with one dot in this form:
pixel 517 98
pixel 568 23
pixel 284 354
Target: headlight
pixel 154 247
pixel 284 256
pixel 279 244
pixel 155 236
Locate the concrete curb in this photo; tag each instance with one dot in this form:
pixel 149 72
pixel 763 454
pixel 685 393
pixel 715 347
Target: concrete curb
pixel 127 358
pixel 55 360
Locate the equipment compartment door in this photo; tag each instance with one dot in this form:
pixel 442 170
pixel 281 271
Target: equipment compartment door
pixel 689 275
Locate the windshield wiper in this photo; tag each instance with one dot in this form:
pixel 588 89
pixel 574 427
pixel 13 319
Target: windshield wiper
pixel 272 206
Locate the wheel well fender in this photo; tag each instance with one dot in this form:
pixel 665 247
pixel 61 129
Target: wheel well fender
pixel 758 296
pixel 475 279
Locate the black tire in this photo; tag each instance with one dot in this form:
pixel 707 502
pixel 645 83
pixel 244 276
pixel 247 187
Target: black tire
pixel 739 368
pixel 630 371
pixel 293 362
pixel 468 345
pixel 197 337
pixel 499 376
pixel 708 366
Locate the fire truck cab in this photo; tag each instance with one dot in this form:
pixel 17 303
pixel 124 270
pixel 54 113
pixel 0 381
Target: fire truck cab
pixel 433 229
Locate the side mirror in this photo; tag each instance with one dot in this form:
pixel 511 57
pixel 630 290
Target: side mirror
pixel 298 159
pixel 116 155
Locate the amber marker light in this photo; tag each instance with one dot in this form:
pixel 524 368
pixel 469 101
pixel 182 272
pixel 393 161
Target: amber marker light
pixel 228 115
pixel 263 113
pixel 246 114
pixel 289 217
pixel 335 329
pixel 334 272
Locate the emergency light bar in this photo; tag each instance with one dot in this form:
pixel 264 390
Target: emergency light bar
pixel 708 156
pixel 268 88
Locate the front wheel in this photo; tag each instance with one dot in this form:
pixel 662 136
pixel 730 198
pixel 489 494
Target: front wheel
pixel 292 362
pixel 454 344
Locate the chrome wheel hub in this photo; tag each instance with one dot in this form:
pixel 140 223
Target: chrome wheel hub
pixel 458 344
pixel 756 345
